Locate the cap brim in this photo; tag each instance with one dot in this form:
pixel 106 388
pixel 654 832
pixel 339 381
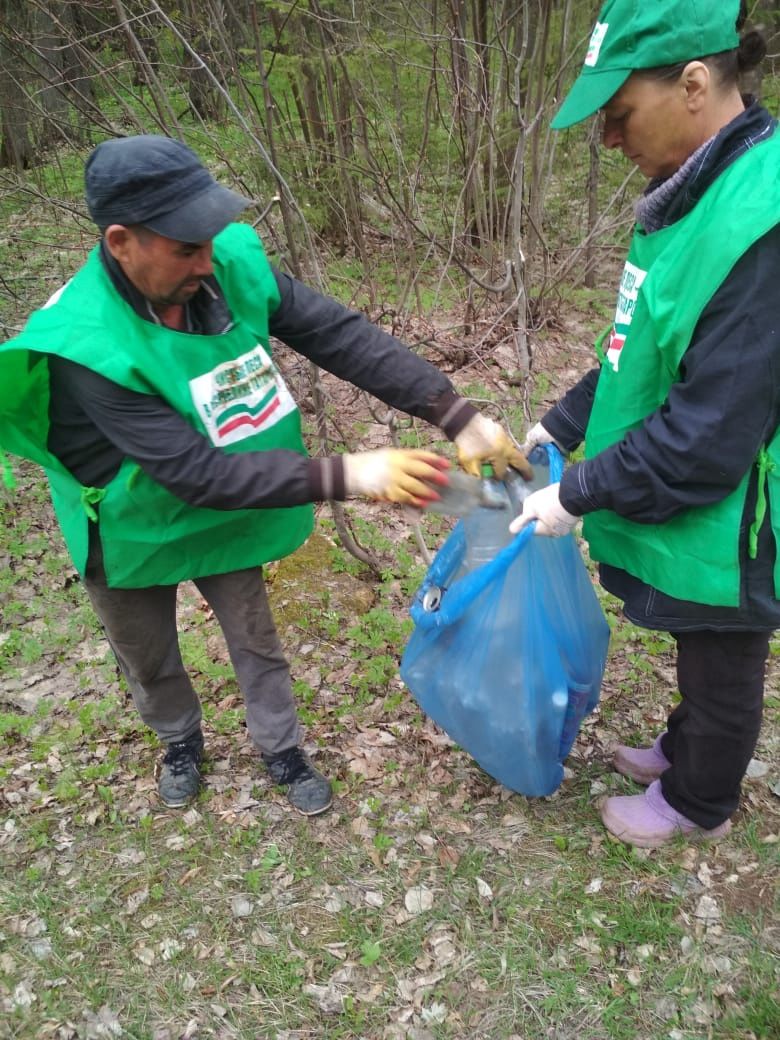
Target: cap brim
pixel 590 92
pixel 201 217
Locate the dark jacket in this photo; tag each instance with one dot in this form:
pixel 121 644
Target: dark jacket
pixel 711 427
pixel 95 423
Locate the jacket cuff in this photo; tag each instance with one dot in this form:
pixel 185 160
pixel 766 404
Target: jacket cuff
pixel 451 413
pixel 326 479
pixel 572 494
pixel 563 430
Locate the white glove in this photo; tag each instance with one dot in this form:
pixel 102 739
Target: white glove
pixel 545 507
pixel 395 475
pixel 538 436
pixel 483 441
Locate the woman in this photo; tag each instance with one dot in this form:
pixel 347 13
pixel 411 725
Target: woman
pixel 680 486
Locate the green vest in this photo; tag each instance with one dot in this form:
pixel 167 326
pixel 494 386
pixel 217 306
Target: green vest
pixel 226 386
pixel 669 278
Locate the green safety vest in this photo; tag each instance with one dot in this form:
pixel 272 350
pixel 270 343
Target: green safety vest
pixel 226 386
pixel 669 278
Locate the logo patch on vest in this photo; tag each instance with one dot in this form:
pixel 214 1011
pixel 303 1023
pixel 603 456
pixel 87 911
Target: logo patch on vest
pixel 240 398
pixel 630 284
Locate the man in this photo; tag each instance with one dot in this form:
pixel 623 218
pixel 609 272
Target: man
pixel 680 485
pixel 173 446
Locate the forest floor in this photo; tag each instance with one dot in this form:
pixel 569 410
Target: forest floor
pixel 430 902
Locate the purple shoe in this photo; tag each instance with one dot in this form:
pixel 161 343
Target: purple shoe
pixel 648 821
pixel 642 764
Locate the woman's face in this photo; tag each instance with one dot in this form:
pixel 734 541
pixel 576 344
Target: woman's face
pixel 650 121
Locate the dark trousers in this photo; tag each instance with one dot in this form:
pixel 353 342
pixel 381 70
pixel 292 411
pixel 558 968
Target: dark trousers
pixel 712 734
pixel 140 625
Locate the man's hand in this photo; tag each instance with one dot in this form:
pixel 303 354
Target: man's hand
pixel 537 436
pixel 483 441
pixel 545 507
pixel 395 475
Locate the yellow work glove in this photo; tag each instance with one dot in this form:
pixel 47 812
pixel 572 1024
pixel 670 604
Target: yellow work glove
pixel 483 441
pixel 395 475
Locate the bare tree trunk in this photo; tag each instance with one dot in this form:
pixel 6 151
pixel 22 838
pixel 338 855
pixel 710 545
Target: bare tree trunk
pixel 287 215
pixel 353 217
pixel 49 45
pixel 16 110
pixel 143 58
pixel 205 21
pixel 592 192
pixel 522 348
pixel 466 122
pixel 539 138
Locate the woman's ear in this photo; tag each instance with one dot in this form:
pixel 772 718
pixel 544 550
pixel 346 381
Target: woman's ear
pixel 696 81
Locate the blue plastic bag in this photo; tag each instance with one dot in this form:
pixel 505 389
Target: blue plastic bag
pixel 508 659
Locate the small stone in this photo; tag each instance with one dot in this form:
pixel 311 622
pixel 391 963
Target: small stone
pixel 756 769
pixel 707 910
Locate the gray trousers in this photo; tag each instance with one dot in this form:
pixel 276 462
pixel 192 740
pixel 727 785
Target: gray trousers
pixel 140 625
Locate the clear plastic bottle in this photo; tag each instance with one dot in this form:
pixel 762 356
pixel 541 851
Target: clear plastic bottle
pixel 519 488
pixel 487 529
pixel 577 701
pixel 459 497
pixel 464 493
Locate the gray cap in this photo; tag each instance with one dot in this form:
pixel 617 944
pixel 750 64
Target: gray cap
pixel 160 183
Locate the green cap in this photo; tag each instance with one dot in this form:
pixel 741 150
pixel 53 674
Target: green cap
pixel 645 34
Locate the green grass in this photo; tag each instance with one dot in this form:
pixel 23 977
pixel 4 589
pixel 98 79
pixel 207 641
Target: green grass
pixel 250 921
pixel 238 919
pixel 253 921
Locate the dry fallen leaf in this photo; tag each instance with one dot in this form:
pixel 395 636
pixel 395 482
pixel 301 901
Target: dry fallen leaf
pixel 328 999
pixel 419 899
pixel 484 890
pixel 136 899
pixel 240 906
pixel 707 910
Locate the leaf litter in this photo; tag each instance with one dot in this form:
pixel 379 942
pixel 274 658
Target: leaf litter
pixel 422 906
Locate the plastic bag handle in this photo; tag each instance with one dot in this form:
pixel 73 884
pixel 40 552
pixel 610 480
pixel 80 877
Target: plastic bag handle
pixel 469 586
pixel 555 457
pixel 472 585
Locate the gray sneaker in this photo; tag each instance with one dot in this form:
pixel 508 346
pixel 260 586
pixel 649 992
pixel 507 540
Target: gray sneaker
pixel 179 780
pixel 308 790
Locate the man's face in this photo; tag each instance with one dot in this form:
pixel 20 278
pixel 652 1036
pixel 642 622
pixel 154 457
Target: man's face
pixel 165 271
pixel 649 121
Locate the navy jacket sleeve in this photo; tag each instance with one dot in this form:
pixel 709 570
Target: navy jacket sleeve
pixel 695 449
pixel 95 423
pixel 567 420
pixel 113 423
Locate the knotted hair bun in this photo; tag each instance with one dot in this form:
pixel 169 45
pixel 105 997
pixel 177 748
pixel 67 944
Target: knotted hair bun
pixel 751 51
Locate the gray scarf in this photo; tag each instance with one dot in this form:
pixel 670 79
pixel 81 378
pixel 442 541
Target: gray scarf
pixel 651 208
